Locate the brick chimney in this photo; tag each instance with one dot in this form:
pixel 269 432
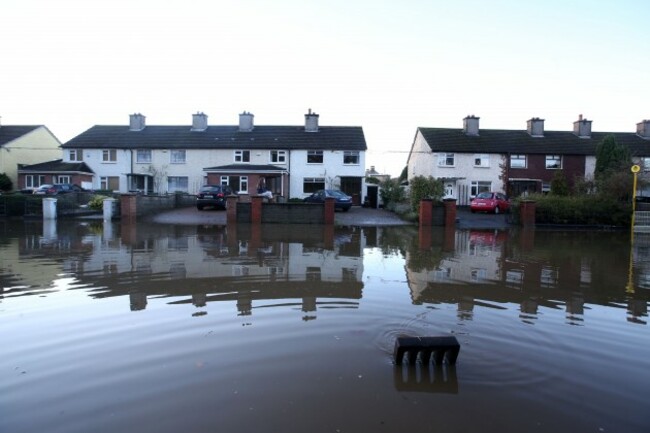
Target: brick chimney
pixel 535 127
pixel 311 121
pixel 470 125
pixel 137 122
pixel 582 127
pixel 199 121
pixel 246 122
pixel 643 129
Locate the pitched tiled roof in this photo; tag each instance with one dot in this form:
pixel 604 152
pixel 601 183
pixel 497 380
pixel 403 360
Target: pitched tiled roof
pixel 9 133
pixel 220 137
pixel 512 142
pixel 245 167
pixel 56 166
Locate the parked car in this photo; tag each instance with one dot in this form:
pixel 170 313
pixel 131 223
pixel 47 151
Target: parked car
pixel 342 200
pixel 58 188
pixel 490 202
pixel 212 196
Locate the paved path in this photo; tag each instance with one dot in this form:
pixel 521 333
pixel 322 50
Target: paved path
pixel 357 216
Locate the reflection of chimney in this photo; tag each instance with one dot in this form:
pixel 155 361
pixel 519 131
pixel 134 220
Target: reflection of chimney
pixel 643 129
pixel 136 122
pixel 470 125
pixel 582 127
pixel 535 127
pixel 311 121
pixel 246 122
pixel 199 121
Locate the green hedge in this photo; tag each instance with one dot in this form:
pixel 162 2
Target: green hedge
pixel 582 210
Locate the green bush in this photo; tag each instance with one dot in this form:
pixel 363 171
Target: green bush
pixel 579 210
pixel 96 202
pixel 5 182
pixel 425 187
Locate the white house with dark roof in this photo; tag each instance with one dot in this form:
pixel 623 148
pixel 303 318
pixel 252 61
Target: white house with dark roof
pixel 472 160
pixel 26 144
pixel 293 160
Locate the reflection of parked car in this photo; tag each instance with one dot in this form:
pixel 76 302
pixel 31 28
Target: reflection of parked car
pixel 490 202
pixel 342 200
pixel 58 188
pixel 212 195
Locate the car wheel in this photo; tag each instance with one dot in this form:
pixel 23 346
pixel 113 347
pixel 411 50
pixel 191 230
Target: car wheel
pixel 496 210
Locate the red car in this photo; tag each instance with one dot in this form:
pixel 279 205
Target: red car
pixel 490 202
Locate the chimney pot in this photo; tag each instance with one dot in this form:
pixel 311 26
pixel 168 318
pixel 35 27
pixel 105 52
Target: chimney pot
pixel 199 121
pixel 137 122
pixel 246 122
pixel 470 125
pixel 582 127
pixel 535 127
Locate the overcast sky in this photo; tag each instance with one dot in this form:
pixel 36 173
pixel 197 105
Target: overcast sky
pixel 388 66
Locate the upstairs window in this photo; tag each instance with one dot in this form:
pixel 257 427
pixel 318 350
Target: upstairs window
pixel 446 160
pixel 279 156
pixel 481 160
pixel 517 161
pixel 177 157
pixel 553 162
pixel 314 157
pixel 143 156
pixel 242 156
pixel 351 157
pixel 109 155
pixel 75 155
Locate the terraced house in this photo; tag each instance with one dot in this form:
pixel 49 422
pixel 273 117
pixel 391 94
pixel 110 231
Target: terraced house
pixel 293 160
pixel 470 160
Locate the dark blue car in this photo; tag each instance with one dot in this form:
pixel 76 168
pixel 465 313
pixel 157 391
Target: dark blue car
pixel 343 201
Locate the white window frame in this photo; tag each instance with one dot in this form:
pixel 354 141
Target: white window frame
pixel 63 178
pixel 143 156
pixel 553 162
pixel 75 155
pixel 479 186
pixel 242 156
pixel 313 181
pixel 278 156
pixel 179 184
pixel 317 154
pixel 482 160
pixel 242 183
pixel 105 181
pixel 30 178
pixel 518 161
pixel 109 156
pixel 178 156
pixel 351 157
pixel 446 160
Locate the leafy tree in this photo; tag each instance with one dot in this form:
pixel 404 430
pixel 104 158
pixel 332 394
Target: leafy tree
pixel 5 182
pixel 613 176
pixel 425 187
pixel 559 185
pixel 611 157
pixel 391 192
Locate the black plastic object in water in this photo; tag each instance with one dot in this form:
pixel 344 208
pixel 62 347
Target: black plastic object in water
pixel 440 347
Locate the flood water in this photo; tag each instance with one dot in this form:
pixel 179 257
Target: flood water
pixel 116 327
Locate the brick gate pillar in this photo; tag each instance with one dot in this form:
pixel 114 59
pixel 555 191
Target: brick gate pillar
pixel 256 209
pixel 231 209
pixel 527 213
pixel 328 210
pixel 450 212
pixel 426 212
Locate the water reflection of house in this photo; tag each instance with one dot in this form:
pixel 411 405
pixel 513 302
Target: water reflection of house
pixel 212 264
pixel 495 269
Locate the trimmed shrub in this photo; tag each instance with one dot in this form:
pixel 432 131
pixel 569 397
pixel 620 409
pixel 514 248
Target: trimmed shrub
pixel 582 210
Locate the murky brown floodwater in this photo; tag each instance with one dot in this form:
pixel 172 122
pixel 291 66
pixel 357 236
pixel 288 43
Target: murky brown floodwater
pixel 159 328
